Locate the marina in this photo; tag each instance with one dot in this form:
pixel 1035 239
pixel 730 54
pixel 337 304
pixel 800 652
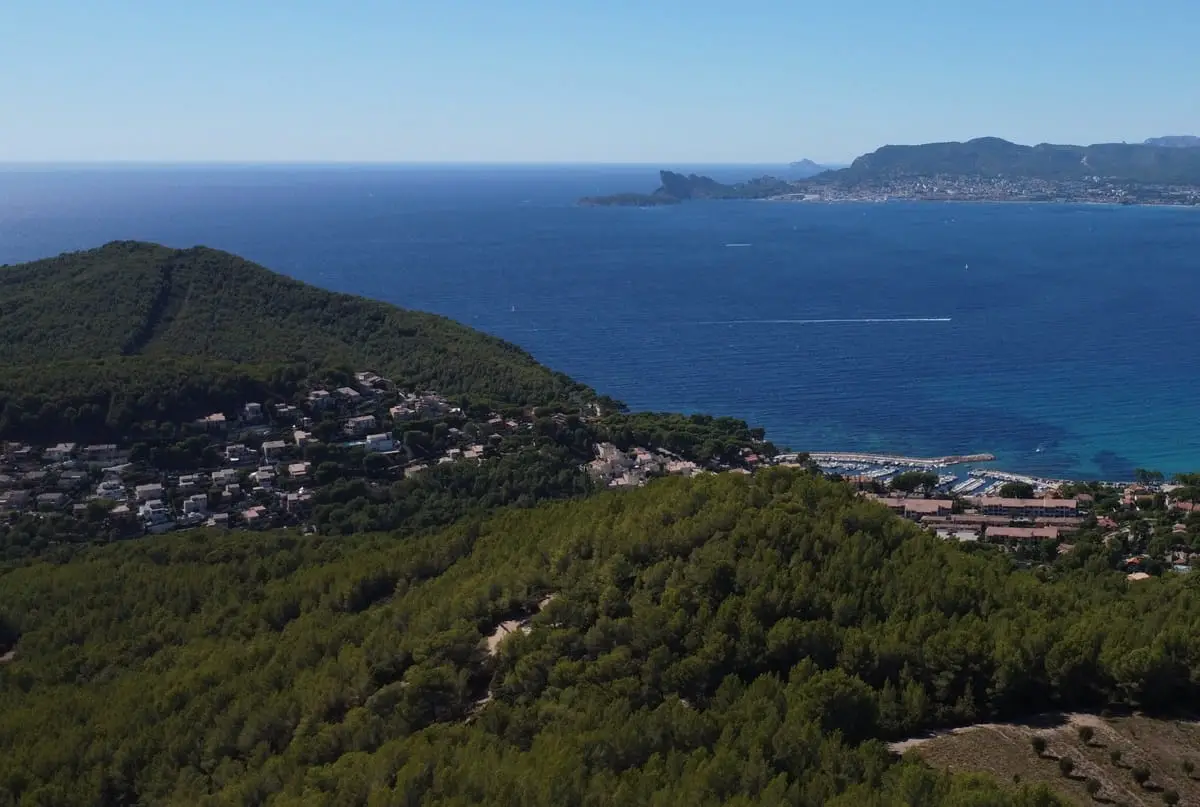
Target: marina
pixel 957 474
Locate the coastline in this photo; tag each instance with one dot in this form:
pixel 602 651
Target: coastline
pixel 886 200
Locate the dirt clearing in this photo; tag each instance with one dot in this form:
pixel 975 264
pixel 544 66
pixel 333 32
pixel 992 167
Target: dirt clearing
pixel 1005 750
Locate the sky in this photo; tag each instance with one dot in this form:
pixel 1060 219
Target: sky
pixel 625 81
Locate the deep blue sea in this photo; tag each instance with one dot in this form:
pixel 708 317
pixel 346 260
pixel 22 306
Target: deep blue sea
pixel 1061 338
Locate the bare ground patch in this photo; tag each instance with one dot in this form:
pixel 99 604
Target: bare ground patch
pixel 1005 751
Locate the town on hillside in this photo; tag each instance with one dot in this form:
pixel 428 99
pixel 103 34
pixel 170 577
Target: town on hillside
pixel 312 462
pixel 266 465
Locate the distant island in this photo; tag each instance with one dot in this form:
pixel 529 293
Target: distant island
pixel 1163 171
pixel 806 168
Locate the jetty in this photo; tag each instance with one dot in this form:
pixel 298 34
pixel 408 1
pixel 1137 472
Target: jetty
pixel 892 459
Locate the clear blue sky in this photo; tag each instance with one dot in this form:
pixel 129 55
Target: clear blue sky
pixel 583 80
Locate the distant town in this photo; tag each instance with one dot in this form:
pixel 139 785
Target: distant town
pixel 948 188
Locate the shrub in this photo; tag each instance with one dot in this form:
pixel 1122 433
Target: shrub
pixel 1066 765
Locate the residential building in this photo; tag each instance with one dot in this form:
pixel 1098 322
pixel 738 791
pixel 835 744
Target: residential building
pixel 15 499
pixel 156 518
pixel 255 516
pixel 101 454
pixel 149 492
pixel 380 442
pixel 60 453
pixel 401 412
pixel 299 470
pixel 71 480
pixel 225 476
pixel 1026 508
pixel 349 395
pixel 214 422
pixel 320 399
pixel 195 504
pixel 917 509
pixel 111 489
pixel 252 412
pixel 273 449
pixel 235 452
pixel 301 437
pixel 297 502
pixel 360 425
pixel 189 483
pixel 51 501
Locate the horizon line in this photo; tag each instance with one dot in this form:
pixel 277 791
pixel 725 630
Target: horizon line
pixel 395 163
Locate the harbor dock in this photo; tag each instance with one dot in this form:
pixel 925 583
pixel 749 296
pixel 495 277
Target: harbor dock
pixel 821 457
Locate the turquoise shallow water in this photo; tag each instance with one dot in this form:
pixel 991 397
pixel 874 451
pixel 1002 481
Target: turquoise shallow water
pixel 1061 338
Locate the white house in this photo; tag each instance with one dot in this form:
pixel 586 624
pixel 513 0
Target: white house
pixel 195 504
pixel 61 452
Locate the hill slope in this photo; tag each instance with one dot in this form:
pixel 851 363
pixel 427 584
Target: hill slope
pixel 137 299
pixel 721 640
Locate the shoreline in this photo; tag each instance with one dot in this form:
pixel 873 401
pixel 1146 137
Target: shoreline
pixel 889 199
pixel 897 459
pixel 951 461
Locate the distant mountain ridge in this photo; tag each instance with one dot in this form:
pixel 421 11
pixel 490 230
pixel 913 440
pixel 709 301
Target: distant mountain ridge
pixel 1174 141
pixel 1160 171
pixel 995 157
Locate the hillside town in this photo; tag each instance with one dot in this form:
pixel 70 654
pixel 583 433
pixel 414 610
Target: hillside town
pixel 264 465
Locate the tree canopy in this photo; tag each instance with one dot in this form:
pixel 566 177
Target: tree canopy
pixel 719 640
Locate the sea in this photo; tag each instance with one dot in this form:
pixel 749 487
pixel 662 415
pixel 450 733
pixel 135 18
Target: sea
pixel 1061 338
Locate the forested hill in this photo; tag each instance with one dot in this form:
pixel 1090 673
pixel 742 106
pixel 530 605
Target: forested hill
pixel 993 157
pixel 132 299
pixel 723 640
